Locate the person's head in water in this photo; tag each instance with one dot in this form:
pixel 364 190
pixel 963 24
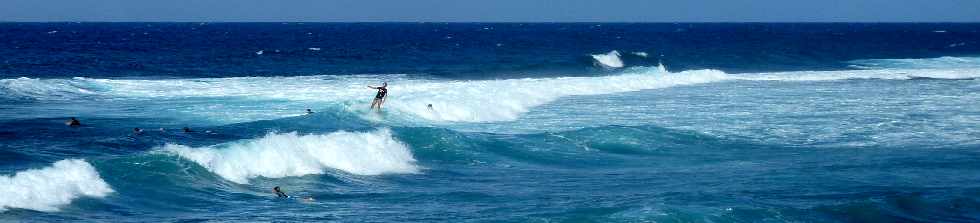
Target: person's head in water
pixel 279 192
pixel 308 111
pixel 73 122
pixel 137 130
pixel 186 129
pixel 429 106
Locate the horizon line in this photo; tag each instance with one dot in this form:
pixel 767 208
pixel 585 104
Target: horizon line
pixel 512 22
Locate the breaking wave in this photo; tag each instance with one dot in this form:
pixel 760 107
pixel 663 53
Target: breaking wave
pixel 278 155
pixel 48 188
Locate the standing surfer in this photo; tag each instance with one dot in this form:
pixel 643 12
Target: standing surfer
pixel 379 99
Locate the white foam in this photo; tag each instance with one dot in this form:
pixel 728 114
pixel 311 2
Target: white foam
pixel 609 60
pixel 48 188
pixel 47 89
pixel 886 74
pixel 290 154
pixel 505 100
pixel 256 98
pixel 641 54
pixel 926 63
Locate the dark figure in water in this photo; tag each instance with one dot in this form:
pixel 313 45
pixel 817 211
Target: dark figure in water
pixel 279 192
pixel 308 111
pixel 73 122
pixel 379 99
pixel 430 107
pixel 137 131
pixel 187 129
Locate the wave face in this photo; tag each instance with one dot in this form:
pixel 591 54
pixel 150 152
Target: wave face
pixel 290 154
pixel 48 188
pixel 577 122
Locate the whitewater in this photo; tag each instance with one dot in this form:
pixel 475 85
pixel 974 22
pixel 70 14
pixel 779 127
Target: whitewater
pixel 512 106
pixel 610 123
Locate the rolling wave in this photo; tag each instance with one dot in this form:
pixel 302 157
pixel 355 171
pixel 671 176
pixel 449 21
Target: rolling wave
pixel 279 155
pixel 472 101
pixel 48 188
pixel 48 89
pixel 926 63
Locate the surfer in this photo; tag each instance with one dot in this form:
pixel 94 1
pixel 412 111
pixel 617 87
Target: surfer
pixel 279 192
pixel 308 111
pixel 73 122
pixel 430 107
pixel 137 131
pixel 379 99
pixel 186 129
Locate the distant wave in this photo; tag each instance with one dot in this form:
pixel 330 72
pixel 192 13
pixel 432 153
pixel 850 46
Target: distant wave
pixel 609 60
pixel 279 155
pixel 453 100
pixel 47 89
pixel 504 100
pixel 47 188
pixel 926 63
pixel 884 74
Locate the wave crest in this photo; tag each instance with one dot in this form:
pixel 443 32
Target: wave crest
pixel 505 100
pixel 47 188
pixel 279 155
pixel 609 60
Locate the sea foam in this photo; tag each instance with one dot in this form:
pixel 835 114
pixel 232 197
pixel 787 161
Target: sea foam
pixel 925 63
pixel 47 89
pixel 506 100
pixel 609 60
pixel 279 155
pixel 48 188
pixel 477 101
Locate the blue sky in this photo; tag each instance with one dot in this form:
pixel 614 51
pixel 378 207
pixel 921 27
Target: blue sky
pixel 494 11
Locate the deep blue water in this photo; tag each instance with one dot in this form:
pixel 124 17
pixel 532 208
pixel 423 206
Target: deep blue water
pixel 580 122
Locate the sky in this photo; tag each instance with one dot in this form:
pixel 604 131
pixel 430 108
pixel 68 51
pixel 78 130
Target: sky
pixel 492 10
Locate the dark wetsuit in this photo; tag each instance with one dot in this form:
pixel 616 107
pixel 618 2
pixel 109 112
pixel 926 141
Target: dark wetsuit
pixel 279 193
pixel 74 122
pixel 382 91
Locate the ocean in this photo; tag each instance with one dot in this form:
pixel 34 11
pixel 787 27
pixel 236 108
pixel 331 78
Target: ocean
pixel 529 122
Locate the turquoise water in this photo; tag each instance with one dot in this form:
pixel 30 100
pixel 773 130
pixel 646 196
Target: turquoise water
pixel 865 138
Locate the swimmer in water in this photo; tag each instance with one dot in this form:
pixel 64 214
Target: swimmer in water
pixel 279 192
pixel 73 122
